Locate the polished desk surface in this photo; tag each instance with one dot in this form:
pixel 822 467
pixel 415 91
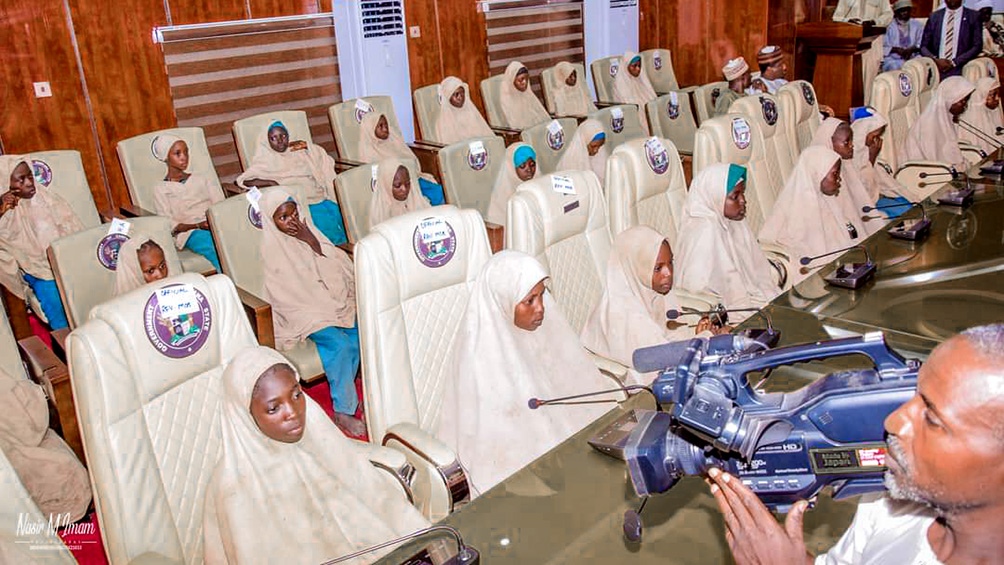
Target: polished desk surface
pixel 568 506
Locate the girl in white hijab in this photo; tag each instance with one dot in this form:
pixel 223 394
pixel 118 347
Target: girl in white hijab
pixel 310 284
pixel 868 131
pixel 631 85
pixel 571 98
pixel 519 166
pixel 378 140
pixel 631 314
pixel 140 261
pixel 31 218
pixel 289 488
pixel 587 150
pixel 934 136
pixel 279 161
pixel 393 194
pixel 807 219
pixel 513 344
pixel 520 105
pixel 717 254
pixel 184 198
pixel 854 195
pixel 458 118
pixel 983 114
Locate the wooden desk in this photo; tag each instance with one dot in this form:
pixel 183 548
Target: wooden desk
pixel 837 75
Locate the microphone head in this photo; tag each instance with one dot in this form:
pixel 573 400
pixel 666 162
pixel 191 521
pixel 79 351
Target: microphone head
pixel 632 526
pixel 805 260
pixel 534 403
pixel 672 314
pixel 867 209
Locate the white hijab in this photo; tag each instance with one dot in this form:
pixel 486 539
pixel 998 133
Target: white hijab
pixel 804 221
pixel 576 155
pixel 630 315
pixel 719 256
pixel 303 502
pixel 498 367
pixel 128 274
pixel 505 186
pixel 521 109
pixel 982 118
pixel 875 177
pixel 570 100
pixel 311 168
pixel 383 205
pixel 630 89
pixel 854 195
pixel 372 148
pixel 934 136
pixel 457 124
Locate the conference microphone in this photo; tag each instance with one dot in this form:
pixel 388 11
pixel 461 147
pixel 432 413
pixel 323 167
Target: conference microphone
pixel 535 403
pixel 980 134
pixel 1000 130
pixel 466 555
pixel 852 275
pixel 953 173
pixel 912 229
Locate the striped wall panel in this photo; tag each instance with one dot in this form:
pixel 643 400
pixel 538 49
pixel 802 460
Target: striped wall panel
pixel 223 72
pixel 537 33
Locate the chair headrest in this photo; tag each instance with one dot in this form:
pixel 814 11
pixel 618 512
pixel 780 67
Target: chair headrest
pixel 568 203
pixel 653 165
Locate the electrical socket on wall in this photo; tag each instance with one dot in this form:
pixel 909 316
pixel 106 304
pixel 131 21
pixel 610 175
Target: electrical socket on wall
pixel 42 90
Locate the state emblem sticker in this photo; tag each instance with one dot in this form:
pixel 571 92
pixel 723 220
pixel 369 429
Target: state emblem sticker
pixel 807 93
pixel 477 155
pixel 769 108
pixel 434 242
pixel 108 250
pixel 177 319
pixel 657 62
pixel 905 85
pixel 42 172
pixel 656 155
pixel 362 108
pixel 254 216
pixel 555 135
pixel 740 133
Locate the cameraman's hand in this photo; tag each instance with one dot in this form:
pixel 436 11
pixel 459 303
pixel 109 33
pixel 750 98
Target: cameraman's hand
pixel 753 533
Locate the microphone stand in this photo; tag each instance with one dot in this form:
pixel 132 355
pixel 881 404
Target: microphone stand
pixel 465 555
pixel 911 230
pixel 852 276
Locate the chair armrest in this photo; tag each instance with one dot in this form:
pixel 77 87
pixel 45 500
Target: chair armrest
pixel 59 342
pixel 342 165
pixel 496 236
pixel 134 211
pixel 430 455
pixel 688 89
pixel 108 215
pixel 609 366
pixel 395 463
pixel 347 247
pixel 259 313
pixel 47 370
pixel 426 152
pixel 232 189
pixel 509 135
pixel 781 262
pixel 601 104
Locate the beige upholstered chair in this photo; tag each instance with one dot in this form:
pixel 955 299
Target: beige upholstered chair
pixel 705 97
pixel 143 171
pixel 550 140
pixel 604 70
pixel 346 116
pixel 799 111
pixel 926 78
pixel 659 69
pixel 773 145
pixel 468 175
pixel 646 187
pixel 412 291
pixel 78 263
pixel 491 94
pixel 247 130
pixel 149 410
pixel 672 117
pixel 355 188
pixel 427 110
pixel 549 82
pixel 620 123
pixel 980 67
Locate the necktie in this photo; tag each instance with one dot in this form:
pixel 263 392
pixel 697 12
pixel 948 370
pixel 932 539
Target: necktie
pixel 950 35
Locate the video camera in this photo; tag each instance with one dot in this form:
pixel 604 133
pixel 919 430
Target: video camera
pixel 784 446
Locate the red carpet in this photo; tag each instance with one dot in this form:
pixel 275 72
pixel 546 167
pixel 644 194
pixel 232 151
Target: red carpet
pixel 85 545
pixel 321 393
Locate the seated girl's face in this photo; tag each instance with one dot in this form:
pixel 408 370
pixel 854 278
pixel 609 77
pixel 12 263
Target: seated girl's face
pixel 278 406
pixel 526 171
pixel 402 184
pixel 735 202
pixel 634 68
pixel 287 218
pixel 529 314
pixel 458 97
pixel 594 146
pixel 522 80
pixel 662 272
pixel 843 141
pixel 152 263
pixel 278 139
pixel 572 78
pixel 830 185
pixel 22 181
pixel 177 156
pixel 382 130
pixel 993 98
pixel 959 107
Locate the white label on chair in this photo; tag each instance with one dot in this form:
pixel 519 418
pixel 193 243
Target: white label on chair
pixel 554 127
pixel 173 301
pixel 362 108
pixel 563 185
pixel 177 319
pixel 374 173
pixel 617 113
pixel 253 195
pixel 118 225
pixel 674 99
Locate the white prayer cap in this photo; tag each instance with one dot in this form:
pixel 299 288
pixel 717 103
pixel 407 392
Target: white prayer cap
pixel 983 4
pixel 900 4
pixel 735 68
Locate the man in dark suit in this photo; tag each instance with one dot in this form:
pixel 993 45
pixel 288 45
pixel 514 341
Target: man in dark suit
pixel 952 46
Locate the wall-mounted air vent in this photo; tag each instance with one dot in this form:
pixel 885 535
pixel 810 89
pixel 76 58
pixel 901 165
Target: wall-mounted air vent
pixel 382 18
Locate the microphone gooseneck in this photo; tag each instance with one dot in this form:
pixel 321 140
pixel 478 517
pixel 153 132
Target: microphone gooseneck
pixel 535 403
pixel 980 134
pixel 808 259
pixel 465 555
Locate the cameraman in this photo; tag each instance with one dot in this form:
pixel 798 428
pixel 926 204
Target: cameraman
pixel 945 480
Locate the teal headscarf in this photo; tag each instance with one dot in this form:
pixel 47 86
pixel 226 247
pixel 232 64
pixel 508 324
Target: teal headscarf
pixel 635 59
pixel 278 124
pixel 522 154
pixel 737 174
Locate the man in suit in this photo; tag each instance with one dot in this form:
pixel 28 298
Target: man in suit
pixel 952 37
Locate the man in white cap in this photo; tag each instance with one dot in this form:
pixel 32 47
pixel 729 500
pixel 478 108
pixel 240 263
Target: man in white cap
pixel 737 72
pixel 952 37
pixel 902 37
pixel 772 69
pixel 877 12
pixel 993 33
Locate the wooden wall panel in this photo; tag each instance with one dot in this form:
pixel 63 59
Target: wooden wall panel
pixel 463 44
pixel 276 8
pixel 648 24
pixel 35 46
pixel 424 53
pixel 203 11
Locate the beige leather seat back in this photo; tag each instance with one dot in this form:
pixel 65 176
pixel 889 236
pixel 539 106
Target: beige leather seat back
pixel 926 78
pixel 568 234
pixel 705 97
pixel 413 279
pixel 148 401
pixel 980 67
pixel 646 187
pixel 894 96
pixel 550 140
pixel 549 84
pixel 730 139
pixel 62 172
pixel 773 146
pixel 799 113
pixel 604 71
pixel 84 263
pixel 247 130
pixel 143 171
pixel 491 89
pixel 427 110
pixel 469 169
pixel 19 508
pixel 620 123
pixel 346 116
pixel 672 117
pixel 658 65
pixel 355 189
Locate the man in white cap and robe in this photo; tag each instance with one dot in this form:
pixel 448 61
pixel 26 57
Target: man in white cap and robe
pixel 773 69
